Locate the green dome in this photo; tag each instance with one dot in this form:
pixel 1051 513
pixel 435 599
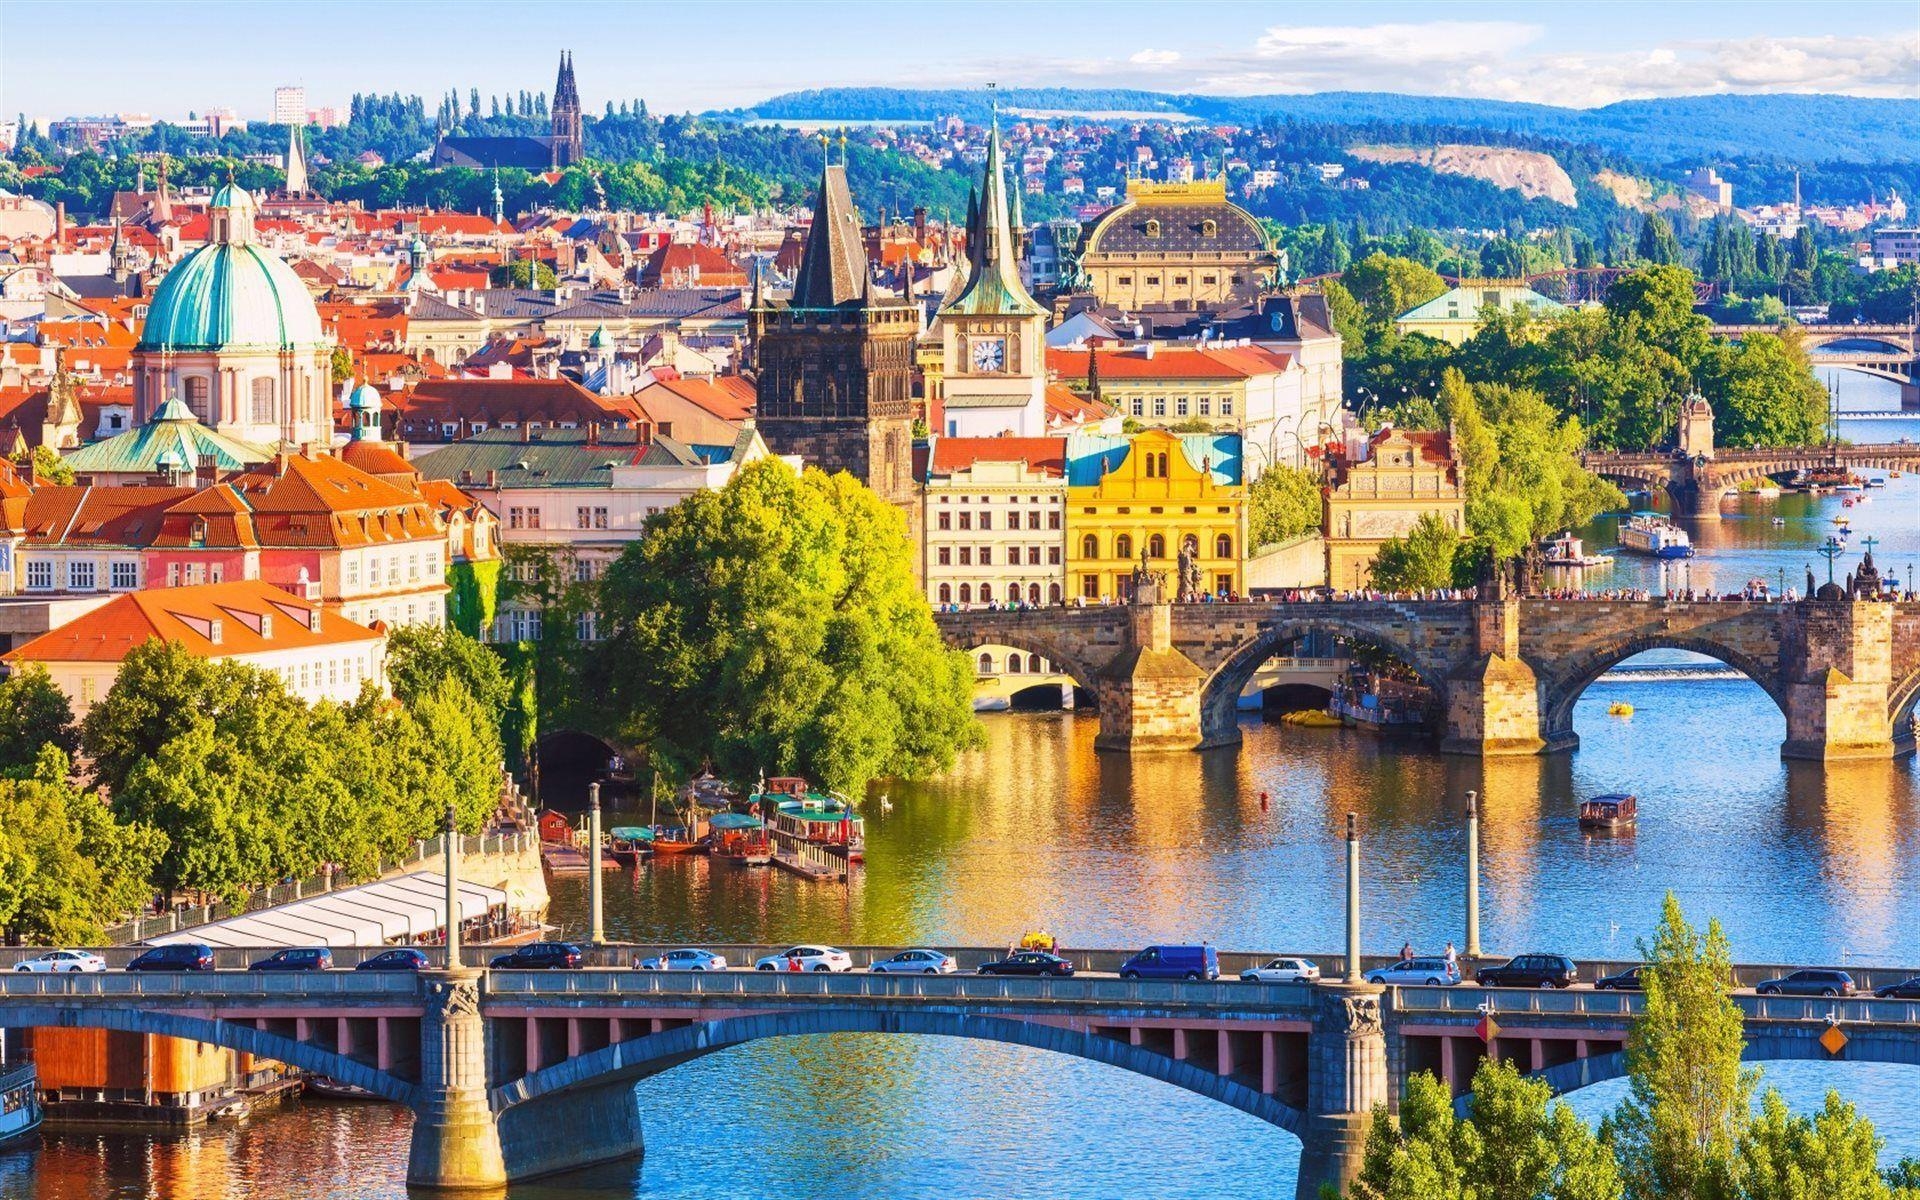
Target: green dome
pixel 231 195
pixel 231 295
pixel 365 397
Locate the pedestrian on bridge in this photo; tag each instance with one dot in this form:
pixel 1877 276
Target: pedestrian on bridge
pixel 1406 951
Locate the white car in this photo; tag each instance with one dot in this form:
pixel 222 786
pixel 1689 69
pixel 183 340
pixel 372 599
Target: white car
pixel 916 962
pixel 809 958
pixel 1282 970
pixel 63 961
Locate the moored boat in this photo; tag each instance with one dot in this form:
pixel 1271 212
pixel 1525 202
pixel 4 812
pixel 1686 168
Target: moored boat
pixel 740 838
pixel 19 1105
pixel 630 843
pixel 820 818
pixel 1567 551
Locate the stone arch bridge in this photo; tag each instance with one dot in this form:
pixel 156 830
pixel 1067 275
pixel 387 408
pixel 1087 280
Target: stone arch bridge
pixel 1697 484
pixel 1506 672
pixel 494 1063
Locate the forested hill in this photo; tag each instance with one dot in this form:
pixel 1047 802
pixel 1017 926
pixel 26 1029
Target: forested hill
pixel 1816 128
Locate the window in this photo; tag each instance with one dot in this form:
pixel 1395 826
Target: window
pixel 1153 281
pixel 1033 597
pixel 966 593
pixel 1089 547
pixel 1180 407
pixel 1139 407
pixel 40 576
pixel 966 556
pixel 533 518
pixel 80 576
pixel 198 388
pixel 946 519
pixel 1159 406
pixel 587 626
pixel 1033 556
pixel 986 556
pixel 1226 406
pixel 516 517
pixel 1209 228
pixel 946 593
pixel 1209 279
pixel 1206 406
pixel 584 516
pixel 1156 546
pixel 1053 520
pixel 1053 593
pixel 353 572
pixel 216 572
pixel 1090 586
pixel 945 556
pixel 1180 281
pixel 1014 666
pixel 1053 556
pixel 986 663
pixel 1123 280
pixel 123 576
pixel 584 572
pixel 966 520
pixel 599 518
pixel 986 593
pixel 1163 465
pixel 413 568
pixel 263 402
pixel 1223 546
pixel 986 520
pixel 1033 519
pixel 1153 231
pixel 1123 546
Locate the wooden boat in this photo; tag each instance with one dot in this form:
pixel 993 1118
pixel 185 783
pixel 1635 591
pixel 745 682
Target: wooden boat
pixel 332 1089
pixel 741 839
pixel 629 843
pixel 1609 814
pixel 675 840
pixel 821 818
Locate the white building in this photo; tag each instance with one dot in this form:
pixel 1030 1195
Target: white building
pixel 289 106
pixel 995 521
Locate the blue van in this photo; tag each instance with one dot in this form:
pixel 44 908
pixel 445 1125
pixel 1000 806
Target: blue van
pixel 1172 962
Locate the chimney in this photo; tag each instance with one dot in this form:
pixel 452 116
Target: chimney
pixel 280 463
pixel 204 472
pixel 526 431
pixel 593 433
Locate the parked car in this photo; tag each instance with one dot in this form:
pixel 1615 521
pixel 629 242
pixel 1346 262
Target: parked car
pixel 1906 989
pixel 916 962
pixel 403 958
pixel 189 956
pixel 1282 970
pixel 1626 981
pixel 810 958
pixel 62 962
pixel 296 958
pixel 1808 983
pixel 1531 971
pixel 687 959
pixel 1172 962
pixel 1433 972
pixel 540 956
pixel 1028 962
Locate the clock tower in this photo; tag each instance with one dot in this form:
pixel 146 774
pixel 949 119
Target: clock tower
pixel 992 331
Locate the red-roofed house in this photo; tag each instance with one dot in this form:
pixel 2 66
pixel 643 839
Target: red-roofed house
pixel 1405 475
pixel 319 654
pixel 996 521
pixel 691 265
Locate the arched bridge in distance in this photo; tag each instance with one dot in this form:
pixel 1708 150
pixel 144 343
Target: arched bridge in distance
pixel 1505 671
pixel 493 1062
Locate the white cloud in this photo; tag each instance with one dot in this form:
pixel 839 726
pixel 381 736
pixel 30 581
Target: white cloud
pixel 1154 58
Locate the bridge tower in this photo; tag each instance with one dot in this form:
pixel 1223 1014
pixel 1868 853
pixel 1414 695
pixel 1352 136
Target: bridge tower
pixel 1346 1079
pixel 1493 700
pixel 456 1141
pixel 1150 692
pixel 1836 661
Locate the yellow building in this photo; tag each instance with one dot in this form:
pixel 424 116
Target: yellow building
pixel 1154 492
pixel 1404 476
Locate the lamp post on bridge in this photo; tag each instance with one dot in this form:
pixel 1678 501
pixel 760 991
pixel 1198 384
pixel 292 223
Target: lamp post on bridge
pixel 1353 899
pixel 1473 875
pixel 451 846
pixel 597 934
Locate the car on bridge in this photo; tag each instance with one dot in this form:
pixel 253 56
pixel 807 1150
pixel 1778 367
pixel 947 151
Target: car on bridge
pixel 1906 989
pixel 1432 972
pixel 916 962
pixel 402 958
pixel 540 956
pixel 296 958
pixel 684 959
pixel 182 956
pixel 62 962
pixel 1530 971
pixel 1813 982
pixel 806 958
pixel 1029 962
pixel 1282 970
pixel 1628 980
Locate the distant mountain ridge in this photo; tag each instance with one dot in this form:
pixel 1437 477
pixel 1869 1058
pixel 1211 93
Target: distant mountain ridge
pixel 1807 128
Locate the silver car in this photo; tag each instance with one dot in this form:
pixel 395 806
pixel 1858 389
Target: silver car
pixel 1433 972
pixel 1282 970
pixel 916 962
pixel 685 960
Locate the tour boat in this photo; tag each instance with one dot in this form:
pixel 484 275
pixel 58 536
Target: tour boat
pixel 19 1105
pixel 1651 533
pixel 1779 520
pixel 1567 551
pixel 822 818
pixel 1608 814
pixel 742 839
pixel 630 843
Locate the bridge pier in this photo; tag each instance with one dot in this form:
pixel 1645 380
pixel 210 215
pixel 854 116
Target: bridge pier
pixel 1699 499
pixel 1493 702
pixel 1346 1080
pixel 456 1140
pixel 1837 660
pixel 1150 692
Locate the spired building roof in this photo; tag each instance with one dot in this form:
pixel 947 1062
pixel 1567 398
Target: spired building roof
pixel 231 293
pixel 833 270
pixel 992 285
pixel 1176 218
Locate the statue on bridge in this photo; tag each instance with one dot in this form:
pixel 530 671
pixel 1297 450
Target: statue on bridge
pixel 1148 584
pixel 1189 567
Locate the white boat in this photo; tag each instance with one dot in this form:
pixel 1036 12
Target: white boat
pixel 1567 551
pixel 1651 533
pixel 19 1104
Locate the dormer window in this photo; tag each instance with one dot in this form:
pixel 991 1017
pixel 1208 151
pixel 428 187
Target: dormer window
pixel 1153 228
pixel 200 529
pixel 1209 229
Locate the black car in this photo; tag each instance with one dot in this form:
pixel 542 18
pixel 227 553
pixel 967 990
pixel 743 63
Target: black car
pixel 405 958
pixel 188 957
pixel 1531 971
pixel 1028 962
pixel 298 958
pixel 1808 983
pixel 1626 981
pixel 1906 989
pixel 540 956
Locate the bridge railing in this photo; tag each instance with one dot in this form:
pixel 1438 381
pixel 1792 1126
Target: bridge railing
pixel 1514 1002
pixel 211 985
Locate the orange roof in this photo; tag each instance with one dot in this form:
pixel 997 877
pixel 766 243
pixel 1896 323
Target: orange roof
pixel 958 453
pixel 1067 407
pixel 214 518
pixel 322 501
pixel 376 458
pixel 88 334
pixel 82 515
pixel 729 397
pixel 212 620
pixel 675 264
pixel 444 495
pixel 1171 362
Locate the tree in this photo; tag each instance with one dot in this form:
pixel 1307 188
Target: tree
pixel 463 747
pixel 1421 560
pixel 341 365
pixel 1834 1153
pixel 1764 392
pixel 1657 244
pixel 33 713
pixel 1677 1131
pixel 49 467
pixel 66 867
pixel 781 632
pixel 421 657
pixel 1282 504
pixel 1386 286
pixel 525 273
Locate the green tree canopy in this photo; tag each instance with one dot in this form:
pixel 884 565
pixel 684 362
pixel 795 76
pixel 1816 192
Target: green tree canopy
pixel 66 866
pixel 773 625
pixel 1282 504
pixel 33 713
pixel 1386 286
pixel 421 657
pixel 1421 560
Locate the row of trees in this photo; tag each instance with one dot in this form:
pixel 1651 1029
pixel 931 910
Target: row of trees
pixel 1687 1129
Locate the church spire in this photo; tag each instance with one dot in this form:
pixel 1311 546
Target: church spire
pixel 296 163
pixel 833 268
pixel 993 258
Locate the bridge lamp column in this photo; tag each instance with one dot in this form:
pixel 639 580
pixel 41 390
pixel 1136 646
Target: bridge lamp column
pixel 1473 875
pixel 598 934
pixel 451 846
pixel 1353 899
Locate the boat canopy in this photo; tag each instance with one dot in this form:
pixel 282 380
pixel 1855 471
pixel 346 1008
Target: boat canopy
pixel 372 914
pixel 632 833
pixel 731 820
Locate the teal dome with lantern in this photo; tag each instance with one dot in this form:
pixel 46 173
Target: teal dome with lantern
pixel 231 294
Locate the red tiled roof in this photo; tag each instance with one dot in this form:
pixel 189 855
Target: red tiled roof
pixel 186 615
pixel 957 453
pixel 1175 362
pixel 82 515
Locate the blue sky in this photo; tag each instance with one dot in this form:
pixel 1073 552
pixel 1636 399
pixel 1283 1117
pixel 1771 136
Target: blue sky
pixel 171 56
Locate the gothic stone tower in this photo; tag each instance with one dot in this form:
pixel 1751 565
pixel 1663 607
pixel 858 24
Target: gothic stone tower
pixel 834 365
pixel 569 144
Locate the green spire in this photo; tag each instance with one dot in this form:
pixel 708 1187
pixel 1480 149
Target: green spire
pixel 993 259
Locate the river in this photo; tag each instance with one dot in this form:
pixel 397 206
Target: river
pixel 1800 862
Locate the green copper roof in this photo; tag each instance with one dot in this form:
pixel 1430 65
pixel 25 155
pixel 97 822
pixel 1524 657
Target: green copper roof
pixel 366 396
pixel 231 295
pixel 231 195
pixel 170 439
pixel 993 286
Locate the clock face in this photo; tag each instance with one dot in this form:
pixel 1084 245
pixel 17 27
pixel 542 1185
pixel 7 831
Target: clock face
pixel 989 354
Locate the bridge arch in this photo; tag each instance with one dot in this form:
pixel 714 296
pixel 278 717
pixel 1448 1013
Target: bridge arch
pixel 1016 634
pixel 233 1035
pixel 1601 1068
pixel 1563 684
pixel 1904 704
pixel 641 1057
pixel 1220 694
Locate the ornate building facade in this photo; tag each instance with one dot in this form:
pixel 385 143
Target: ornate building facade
pixel 1179 245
